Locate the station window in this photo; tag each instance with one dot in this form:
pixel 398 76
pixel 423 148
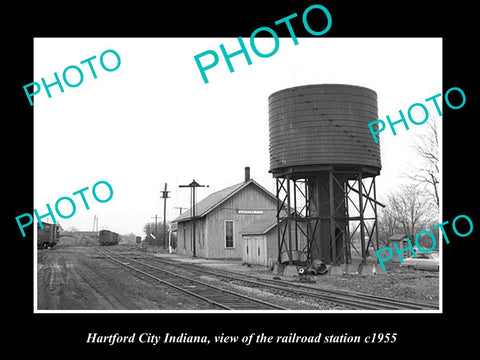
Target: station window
pixel 201 238
pixel 229 233
pixel 184 236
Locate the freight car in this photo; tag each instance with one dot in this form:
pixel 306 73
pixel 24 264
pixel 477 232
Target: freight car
pixel 106 237
pixel 48 236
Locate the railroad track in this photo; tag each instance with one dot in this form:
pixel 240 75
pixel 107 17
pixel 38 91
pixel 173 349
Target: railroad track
pixel 349 300
pixel 356 301
pixel 214 295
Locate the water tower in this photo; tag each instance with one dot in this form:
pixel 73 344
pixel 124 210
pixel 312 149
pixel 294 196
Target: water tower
pixel 325 161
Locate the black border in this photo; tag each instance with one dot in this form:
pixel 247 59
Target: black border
pixel 66 333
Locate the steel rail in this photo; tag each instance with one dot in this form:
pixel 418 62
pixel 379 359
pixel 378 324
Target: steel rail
pixel 364 301
pixel 351 299
pixel 355 304
pixel 221 290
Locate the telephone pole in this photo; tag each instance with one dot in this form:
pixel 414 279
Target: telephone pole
pixel 164 196
pixel 193 187
pixel 95 223
pixel 156 230
pixel 181 209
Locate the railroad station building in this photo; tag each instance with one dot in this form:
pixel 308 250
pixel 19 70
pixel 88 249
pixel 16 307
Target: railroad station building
pixel 224 220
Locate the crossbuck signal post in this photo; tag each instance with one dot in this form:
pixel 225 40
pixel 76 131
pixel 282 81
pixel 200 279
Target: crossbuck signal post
pixel 164 196
pixel 193 186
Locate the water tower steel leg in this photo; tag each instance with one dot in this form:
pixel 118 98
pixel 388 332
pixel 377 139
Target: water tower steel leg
pixel 301 216
pixel 278 218
pixel 340 218
pixel 344 231
pixel 289 222
pixel 361 216
pixel 283 217
pixel 346 243
pixel 314 203
pixel 319 216
pixel 369 201
pixel 333 240
pixel 295 212
pixel 194 249
pixel 307 217
pixel 375 211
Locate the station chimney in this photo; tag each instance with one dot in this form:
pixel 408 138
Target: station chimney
pixel 247 173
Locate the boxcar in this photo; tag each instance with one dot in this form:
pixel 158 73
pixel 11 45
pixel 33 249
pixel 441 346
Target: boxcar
pixel 107 237
pixel 48 236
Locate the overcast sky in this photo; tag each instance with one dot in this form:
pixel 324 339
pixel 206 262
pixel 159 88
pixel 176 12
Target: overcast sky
pixel 154 121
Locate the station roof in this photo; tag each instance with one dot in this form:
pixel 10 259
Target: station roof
pixel 215 199
pixel 262 226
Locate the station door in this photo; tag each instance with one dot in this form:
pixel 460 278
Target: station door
pixel 255 250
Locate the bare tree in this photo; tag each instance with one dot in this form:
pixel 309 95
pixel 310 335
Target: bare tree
pixel 129 238
pixel 387 225
pixel 426 147
pixel 408 211
pixel 157 231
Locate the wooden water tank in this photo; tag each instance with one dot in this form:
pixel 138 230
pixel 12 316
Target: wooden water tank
pixel 323 124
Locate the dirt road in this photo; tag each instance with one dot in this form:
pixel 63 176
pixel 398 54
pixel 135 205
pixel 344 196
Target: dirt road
pixel 78 278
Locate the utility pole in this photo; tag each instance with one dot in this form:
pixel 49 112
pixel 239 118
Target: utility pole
pixel 164 196
pixel 193 186
pixel 95 223
pixel 181 209
pixel 156 230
